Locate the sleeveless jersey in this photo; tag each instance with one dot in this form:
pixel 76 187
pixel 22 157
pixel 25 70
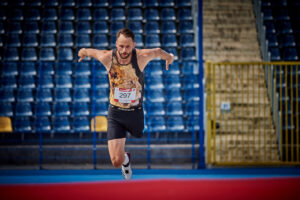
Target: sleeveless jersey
pixel 126 83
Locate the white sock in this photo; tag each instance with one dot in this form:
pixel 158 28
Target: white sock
pixel 126 160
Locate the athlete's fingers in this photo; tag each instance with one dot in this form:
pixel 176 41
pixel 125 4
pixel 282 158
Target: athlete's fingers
pixel 167 65
pixel 80 59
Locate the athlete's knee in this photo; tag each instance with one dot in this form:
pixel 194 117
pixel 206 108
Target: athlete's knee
pixel 117 161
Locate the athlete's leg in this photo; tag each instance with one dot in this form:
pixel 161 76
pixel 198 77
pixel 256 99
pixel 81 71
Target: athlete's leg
pixel 116 148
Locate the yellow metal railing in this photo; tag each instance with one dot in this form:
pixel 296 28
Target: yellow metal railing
pixel 252 113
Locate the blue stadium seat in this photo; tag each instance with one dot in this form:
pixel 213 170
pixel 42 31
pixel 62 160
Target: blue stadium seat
pixel 154 68
pixel 10 69
pixel 100 95
pixel 81 124
pixel 139 41
pixel 172 50
pixel 82 69
pixel 2 31
pixel 50 14
pixel 65 54
pixel 117 14
pixel 47 54
pixel 156 108
pixel 152 27
pixel 43 109
pixel 65 40
pixel 100 14
pixel 13 28
pixel 192 123
pixel 168 27
pixel 61 109
pixel 22 125
pixel 48 40
pixel 100 109
pixel 151 15
pixel 100 41
pixel 81 109
pixel 83 28
pixel 280 13
pixel 47 68
pixel 15 14
pixel 283 27
pixel 187 40
pixel 11 54
pixel 1 44
pixel 192 108
pixel 81 95
pixel 134 3
pixel 2 15
pixel 174 108
pixel 82 82
pixel 63 95
pixel 42 124
pixel 100 27
pixel 189 68
pixel 166 3
pixel 155 96
pixel 25 95
pixel 13 40
pixel 190 81
pixel 117 3
pixel 8 82
pixel 272 40
pixel 23 109
pixel 6 109
pixel 27 82
pixel 151 3
pixel 152 40
pixel 173 94
pixel 31 27
pixel 115 26
pixel 63 81
pixel 154 82
pixel 45 81
pixel 183 3
pixel 84 14
pixel 64 68
pixel 175 124
pixel 267 13
pixel 84 3
pixel 186 27
pixel 49 27
pixel 188 53
pixel 173 69
pixel 30 40
pixel 167 14
pixel 157 124
pixel 51 3
pixel 185 14
pixel 290 54
pixel 7 95
pixel 32 14
pixel 66 27
pixel 294 13
pixel 100 3
pixel 135 14
pixel 67 14
pixel 83 40
pixel 274 54
pixel 172 82
pixel 286 40
pixel 135 26
pixel 67 3
pixel 169 40
pixel 29 54
pixel 191 94
pixel 61 125
pixel 113 41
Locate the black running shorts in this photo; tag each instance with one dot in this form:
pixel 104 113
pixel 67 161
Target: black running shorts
pixel 122 120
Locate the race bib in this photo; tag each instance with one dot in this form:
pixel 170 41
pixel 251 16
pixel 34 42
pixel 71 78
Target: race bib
pixel 123 95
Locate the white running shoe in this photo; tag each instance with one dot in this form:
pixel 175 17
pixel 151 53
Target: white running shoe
pixel 126 170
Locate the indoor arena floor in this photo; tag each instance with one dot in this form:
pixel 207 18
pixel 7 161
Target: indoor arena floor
pixel 229 183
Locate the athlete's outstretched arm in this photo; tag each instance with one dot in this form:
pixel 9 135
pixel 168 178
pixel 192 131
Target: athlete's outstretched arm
pixel 104 56
pixel 150 54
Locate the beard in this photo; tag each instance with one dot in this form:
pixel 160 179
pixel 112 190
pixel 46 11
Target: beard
pixel 124 55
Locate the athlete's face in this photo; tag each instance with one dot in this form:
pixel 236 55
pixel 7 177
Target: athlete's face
pixel 124 46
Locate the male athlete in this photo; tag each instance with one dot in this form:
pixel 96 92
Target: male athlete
pixel 125 66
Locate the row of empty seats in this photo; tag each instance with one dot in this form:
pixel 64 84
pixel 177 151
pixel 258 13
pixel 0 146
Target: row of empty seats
pixel 96 3
pixel 85 14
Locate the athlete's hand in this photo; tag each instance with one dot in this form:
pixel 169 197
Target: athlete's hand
pixel 169 60
pixel 82 54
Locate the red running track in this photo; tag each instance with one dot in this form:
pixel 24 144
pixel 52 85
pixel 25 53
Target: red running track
pixel 166 189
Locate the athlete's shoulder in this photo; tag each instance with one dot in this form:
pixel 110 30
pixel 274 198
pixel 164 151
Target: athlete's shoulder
pixel 146 52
